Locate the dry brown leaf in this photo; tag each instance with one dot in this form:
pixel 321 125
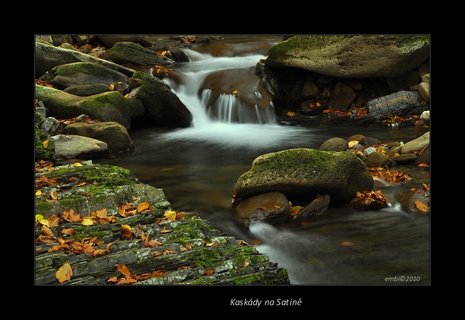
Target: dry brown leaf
pixel 99 252
pixel 64 273
pixel 180 216
pixel 422 207
pixel 53 220
pixel 166 230
pixel 168 251
pixel 123 270
pixel 156 253
pixel 143 206
pixel 209 272
pixel 186 247
pixel 126 281
pixel 152 244
pixel 290 113
pixel 71 216
pixel 54 195
pixel 113 279
pixel 345 244
pixel 126 232
pixel 423 165
pixel 45 231
pixel 68 231
pixel 159 273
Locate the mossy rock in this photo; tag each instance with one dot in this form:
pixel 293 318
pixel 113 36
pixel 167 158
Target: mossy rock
pixel 304 173
pixel 133 53
pixel 361 56
pixel 107 106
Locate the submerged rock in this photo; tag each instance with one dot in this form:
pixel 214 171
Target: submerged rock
pixel 305 173
pixel 352 56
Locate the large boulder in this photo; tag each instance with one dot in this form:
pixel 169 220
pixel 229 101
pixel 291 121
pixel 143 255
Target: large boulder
pixel 162 106
pixel 304 173
pixel 84 73
pixel 271 207
pixel 358 56
pixel 71 146
pixel 47 56
pixel 113 134
pixel 133 53
pixel 85 90
pixel 107 106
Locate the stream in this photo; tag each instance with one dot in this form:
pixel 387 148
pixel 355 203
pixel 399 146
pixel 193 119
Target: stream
pixel 197 168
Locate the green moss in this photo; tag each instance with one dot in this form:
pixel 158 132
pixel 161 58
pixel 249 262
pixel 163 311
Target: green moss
pixel 40 151
pixel 283 48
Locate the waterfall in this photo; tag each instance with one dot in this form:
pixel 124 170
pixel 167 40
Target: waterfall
pixel 225 120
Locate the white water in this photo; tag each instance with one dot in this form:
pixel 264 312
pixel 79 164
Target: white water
pixel 216 123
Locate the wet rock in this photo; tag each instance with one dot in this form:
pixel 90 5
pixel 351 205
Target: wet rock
pixel 334 144
pixel 416 145
pixel 59 39
pixel 424 69
pixel 352 56
pixel 178 55
pixel 377 159
pixel 86 90
pixel 369 141
pixel 405 158
pixel 162 106
pixel 303 173
pixel 398 103
pixel 404 82
pixel 50 126
pixel 272 207
pixel 113 134
pixel 316 208
pixel 107 106
pixel 110 40
pixel 342 96
pixel 84 73
pixel 424 157
pixel 71 146
pixel 423 88
pixel 355 137
pixel 132 53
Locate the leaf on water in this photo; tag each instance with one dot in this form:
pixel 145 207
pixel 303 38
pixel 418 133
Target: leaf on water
pixel 126 232
pixel 64 273
pixel 345 244
pixel 68 231
pixel 143 206
pixel 170 215
pixel 422 207
pixel 87 221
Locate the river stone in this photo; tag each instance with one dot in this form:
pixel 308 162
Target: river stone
pixel 50 126
pixel 416 145
pixel 377 159
pixel 356 137
pixel 85 90
pixel 425 116
pixel 107 106
pixel 310 89
pixel 271 207
pixel 304 173
pixel 334 144
pixel 83 73
pixel 113 134
pixel 342 96
pixel 359 56
pixel 133 53
pixel 369 141
pixel 404 82
pixel 71 146
pixel 423 88
pixel 162 106
pixel 405 158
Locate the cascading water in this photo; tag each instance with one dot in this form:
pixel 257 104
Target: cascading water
pixel 225 121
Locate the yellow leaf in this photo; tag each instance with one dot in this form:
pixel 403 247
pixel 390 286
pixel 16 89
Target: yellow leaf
pixel 210 244
pixel 111 87
pixel 38 193
pixel 39 217
pixel 235 92
pixel 166 230
pixel 87 222
pixel 170 215
pixel 77 164
pixel 54 195
pixel 143 206
pixel 126 231
pixel 290 113
pixel 64 273
pixel 421 206
pixel 44 222
pixel 45 144
pixel 352 143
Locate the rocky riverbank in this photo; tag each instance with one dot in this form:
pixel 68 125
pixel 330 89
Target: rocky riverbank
pixel 98 225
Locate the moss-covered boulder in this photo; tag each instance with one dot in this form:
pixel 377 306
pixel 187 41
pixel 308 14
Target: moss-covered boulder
pixel 86 90
pixel 358 56
pixel 107 106
pixel 133 53
pixel 162 107
pixel 304 173
pixel 84 73
pixel 113 134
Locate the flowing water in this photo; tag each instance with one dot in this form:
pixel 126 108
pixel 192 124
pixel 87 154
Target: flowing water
pixel 198 166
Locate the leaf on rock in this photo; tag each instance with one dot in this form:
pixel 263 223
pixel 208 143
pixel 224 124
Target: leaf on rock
pixel 209 272
pixel 352 143
pixel 166 230
pixel 64 273
pixel 71 216
pixel 54 195
pixel 38 193
pixel 126 232
pixel 124 270
pixel 295 210
pixel 53 220
pixel 77 164
pixel 45 144
pixel 68 231
pixel 143 206
pixel 113 279
pixel 422 207
pixel 170 215
pixel 87 221
pixel 152 244
pixel 290 114
pixel 423 165
pixel 45 231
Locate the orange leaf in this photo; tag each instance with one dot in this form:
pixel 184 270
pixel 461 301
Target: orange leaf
pixel 45 231
pixel 53 220
pixel 112 280
pixel 159 273
pixel 126 231
pixel 54 195
pixel 345 244
pixel 71 216
pixel 421 206
pixel 99 252
pixel 126 281
pixel 124 270
pixel 423 165
pixel 209 272
pixel 64 273
pixel 68 231
pixel 152 243
pixel 143 206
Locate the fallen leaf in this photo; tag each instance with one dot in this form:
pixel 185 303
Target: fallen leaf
pixel 159 273
pixel 290 114
pixel 166 230
pixel 45 144
pixel 38 193
pixel 209 272
pixel 53 220
pixel 64 273
pixel 211 244
pixel 352 143
pixel 243 243
pixel 127 281
pixel 413 189
pixel 44 222
pixel 77 164
pixel 168 251
pixel 54 195
pixel 126 232
pixel 113 279
pixel 170 215
pixel 180 216
pixel 186 247
pixel 87 221
pixel 421 206
pixel 156 253
pixel 423 165
pixel 45 231
pixel 295 210
pixel 152 243
pixel 246 263
pixel 68 231
pixel 71 216
pixel 99 252
pixel 143 206
pixel 345 244
pixel 123 270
